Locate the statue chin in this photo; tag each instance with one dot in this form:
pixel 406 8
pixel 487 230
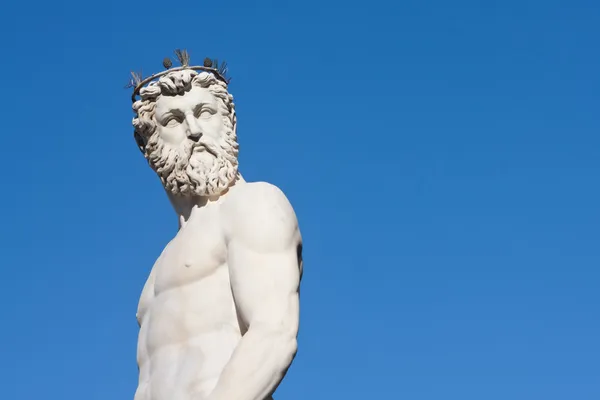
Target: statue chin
pixel 210 175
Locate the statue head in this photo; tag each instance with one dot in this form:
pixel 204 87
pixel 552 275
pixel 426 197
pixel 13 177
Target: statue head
pixel 185 125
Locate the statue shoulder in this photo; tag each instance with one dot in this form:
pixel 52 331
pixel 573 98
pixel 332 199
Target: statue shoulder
pixel 261 215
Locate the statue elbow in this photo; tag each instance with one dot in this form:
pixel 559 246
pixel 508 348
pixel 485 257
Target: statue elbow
pixel 285 344
pixel 289 348
pixel 280 340
pixel 292 348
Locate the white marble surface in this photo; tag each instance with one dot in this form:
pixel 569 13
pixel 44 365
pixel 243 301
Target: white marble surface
pixel 219 312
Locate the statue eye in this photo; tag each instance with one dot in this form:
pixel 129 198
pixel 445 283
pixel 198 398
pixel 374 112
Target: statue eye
pixel 171 121
pixel 203 112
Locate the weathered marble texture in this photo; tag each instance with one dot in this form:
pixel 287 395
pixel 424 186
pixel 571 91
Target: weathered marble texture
pixel 219 312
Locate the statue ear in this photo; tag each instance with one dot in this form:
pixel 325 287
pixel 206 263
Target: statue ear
pixel 141 143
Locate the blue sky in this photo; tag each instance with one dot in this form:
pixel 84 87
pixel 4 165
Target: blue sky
pixel 443 159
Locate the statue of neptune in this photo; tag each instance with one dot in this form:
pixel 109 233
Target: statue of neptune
pixel 219 312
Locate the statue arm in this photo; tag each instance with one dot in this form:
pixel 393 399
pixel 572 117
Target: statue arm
pixel 263 244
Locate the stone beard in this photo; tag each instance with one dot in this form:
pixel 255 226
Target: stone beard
pixel 184 167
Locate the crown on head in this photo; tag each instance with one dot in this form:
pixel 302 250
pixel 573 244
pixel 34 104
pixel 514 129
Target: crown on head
pixel 212 66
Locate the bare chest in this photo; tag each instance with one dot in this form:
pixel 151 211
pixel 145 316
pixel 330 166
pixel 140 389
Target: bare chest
pixel 188 279
pixel 194 254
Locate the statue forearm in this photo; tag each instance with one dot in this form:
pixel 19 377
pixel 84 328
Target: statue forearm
pixel 257 366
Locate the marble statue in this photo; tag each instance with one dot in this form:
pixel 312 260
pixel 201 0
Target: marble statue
pixel 219 312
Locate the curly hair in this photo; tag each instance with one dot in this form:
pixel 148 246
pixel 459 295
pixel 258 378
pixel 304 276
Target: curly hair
pixel 176 83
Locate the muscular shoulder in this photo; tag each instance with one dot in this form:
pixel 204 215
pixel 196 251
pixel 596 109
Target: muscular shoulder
pixel 260 215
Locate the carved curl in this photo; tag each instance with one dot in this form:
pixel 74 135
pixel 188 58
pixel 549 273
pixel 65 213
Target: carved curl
pixel 177 83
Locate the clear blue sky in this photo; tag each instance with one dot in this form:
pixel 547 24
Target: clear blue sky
pixel 443 159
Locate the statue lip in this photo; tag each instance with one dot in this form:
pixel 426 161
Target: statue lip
pixel 201 147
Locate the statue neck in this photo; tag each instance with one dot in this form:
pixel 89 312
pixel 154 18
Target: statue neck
pixel 185 206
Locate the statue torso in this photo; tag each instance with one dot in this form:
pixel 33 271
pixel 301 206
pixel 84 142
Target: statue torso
pixel 187 315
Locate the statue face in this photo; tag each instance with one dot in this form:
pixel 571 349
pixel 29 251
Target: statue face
pixel 194 116
pixel 192 149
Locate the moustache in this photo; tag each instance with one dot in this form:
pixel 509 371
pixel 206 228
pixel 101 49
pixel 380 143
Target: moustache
pixel 205 145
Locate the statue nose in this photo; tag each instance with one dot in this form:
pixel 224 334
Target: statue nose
pixel 193 127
